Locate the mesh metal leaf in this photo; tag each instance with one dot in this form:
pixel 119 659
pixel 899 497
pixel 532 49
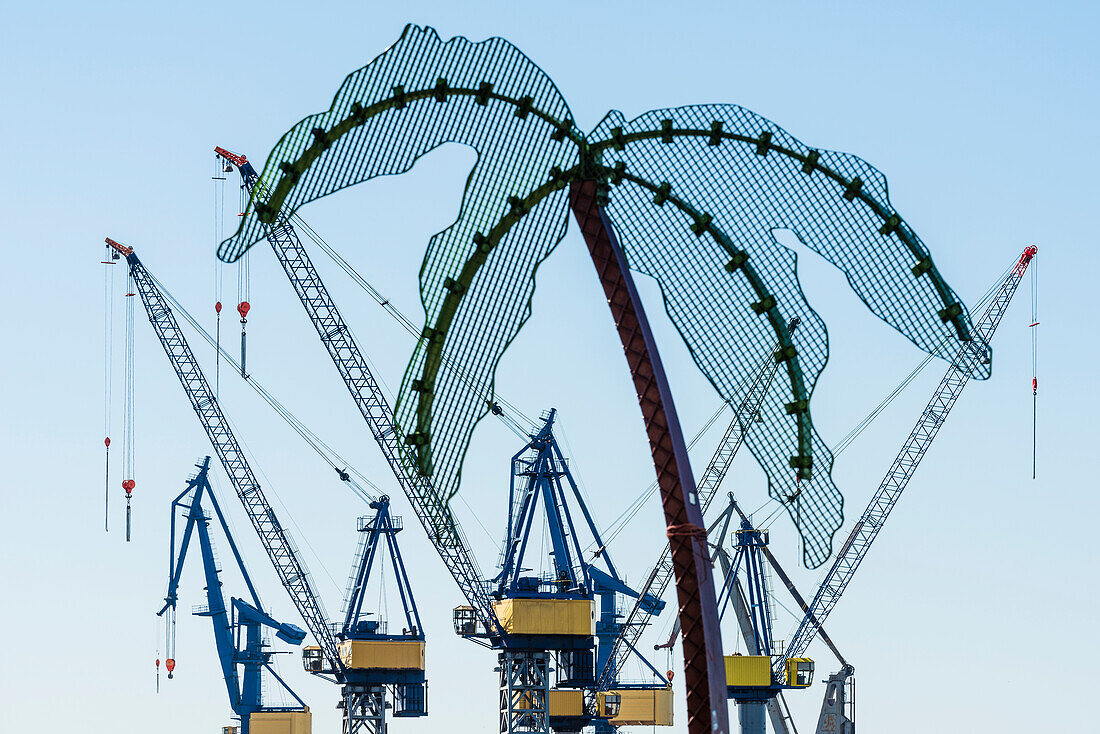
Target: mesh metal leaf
pixel 698 184
pixel 419 94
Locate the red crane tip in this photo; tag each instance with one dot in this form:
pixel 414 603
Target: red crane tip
pixel 118 246
pixel 237 160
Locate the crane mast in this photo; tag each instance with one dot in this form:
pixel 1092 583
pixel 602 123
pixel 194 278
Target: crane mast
pixel 969 356
pixel 661 575
pixel 273 536
pixel 432 511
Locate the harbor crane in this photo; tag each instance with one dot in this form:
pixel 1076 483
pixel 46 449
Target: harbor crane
pixel 836 706
pixel 558 626
pixel 752 605
pixel 382 670
pixel 749 678
pixel 229 622
pixel 273 536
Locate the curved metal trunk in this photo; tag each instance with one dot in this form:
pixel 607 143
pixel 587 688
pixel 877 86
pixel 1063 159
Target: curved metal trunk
pixel 704 673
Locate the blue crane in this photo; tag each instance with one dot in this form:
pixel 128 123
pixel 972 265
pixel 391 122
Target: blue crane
pixel 557 628
pixel 327 658
pixel 836 705
pixel 749 678
pixel 376 660
pixel 253 657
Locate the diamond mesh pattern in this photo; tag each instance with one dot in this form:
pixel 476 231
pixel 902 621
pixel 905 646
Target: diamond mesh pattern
pixel 474 301
pixel 748 190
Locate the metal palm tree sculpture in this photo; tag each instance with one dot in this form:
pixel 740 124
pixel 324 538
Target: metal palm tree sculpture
pixel 691 196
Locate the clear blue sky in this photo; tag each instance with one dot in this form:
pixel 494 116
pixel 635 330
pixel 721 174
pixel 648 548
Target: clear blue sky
pixel 974 611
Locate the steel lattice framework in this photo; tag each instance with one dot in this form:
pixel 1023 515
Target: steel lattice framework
pixel 273 536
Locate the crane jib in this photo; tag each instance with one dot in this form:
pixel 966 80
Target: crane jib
pixel 969 356
pixel 433 512
pixel 273 536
